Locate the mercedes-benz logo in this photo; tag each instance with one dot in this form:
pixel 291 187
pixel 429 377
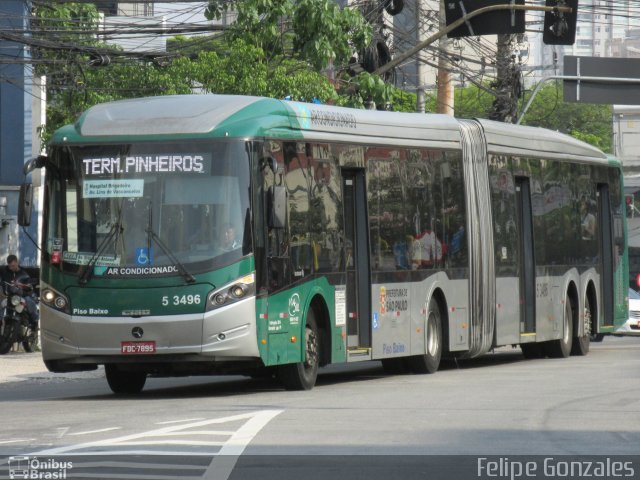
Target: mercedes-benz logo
pixel 137 332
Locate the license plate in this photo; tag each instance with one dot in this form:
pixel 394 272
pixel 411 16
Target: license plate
pixel 137 348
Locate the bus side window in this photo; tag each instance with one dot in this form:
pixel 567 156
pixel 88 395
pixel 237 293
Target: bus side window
pixel 278 268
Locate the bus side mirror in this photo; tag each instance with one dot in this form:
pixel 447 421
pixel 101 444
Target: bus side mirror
pixel 25 204
pixel 34 163
pixel 277 206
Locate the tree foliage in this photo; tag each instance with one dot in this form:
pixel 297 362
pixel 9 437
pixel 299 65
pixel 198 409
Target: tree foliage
pixel 316 31
pixel 588 122
pixel 224 67
pixel 276 48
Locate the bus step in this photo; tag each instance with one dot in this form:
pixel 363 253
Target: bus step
pixel 359 351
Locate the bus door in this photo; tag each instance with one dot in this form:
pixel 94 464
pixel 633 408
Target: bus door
pixel 527 264
pixel 605 237
pixel 356 260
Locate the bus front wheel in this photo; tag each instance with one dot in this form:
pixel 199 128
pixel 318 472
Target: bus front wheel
pixel 302 375
pixel 123 382
pixel 430 361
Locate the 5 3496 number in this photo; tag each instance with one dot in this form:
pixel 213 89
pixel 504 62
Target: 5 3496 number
pixel 181 300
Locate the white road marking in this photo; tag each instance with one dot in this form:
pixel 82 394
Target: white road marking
pixel 172 442
pixel 114 453
pixel 4 442
pixel 60 432
pixel 234 446
pixel 225 453
pixel 222 465
pixel 179 421
pixel 204 432
pixel 95 431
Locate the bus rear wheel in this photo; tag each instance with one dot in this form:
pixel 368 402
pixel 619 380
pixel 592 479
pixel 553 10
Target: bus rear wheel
pixel 561 348
pixel 123 382
pixel 302 375
pixel 581 344
pixel 430 361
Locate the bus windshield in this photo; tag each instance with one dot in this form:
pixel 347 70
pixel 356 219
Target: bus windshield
pixel 147 207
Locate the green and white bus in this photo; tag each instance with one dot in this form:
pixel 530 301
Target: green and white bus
pixel 357 235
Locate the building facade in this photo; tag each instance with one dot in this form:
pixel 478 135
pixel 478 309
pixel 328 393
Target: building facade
pixel 21 100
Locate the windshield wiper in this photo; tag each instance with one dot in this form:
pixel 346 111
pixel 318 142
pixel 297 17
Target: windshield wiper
pixel 116 230
pixel 151 235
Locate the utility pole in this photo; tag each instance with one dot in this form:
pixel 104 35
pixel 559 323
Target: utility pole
pixel 421 69
pixel 508 82
pixel 445 86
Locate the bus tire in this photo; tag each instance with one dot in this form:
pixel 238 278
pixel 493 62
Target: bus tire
pixel 303 375
pixel 430 361
pixel 123 382
pixel 581 344
pixel 561 348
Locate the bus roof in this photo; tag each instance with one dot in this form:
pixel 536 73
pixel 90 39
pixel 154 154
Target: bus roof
pixel 245 116
pixel 206 116
pixel 533 141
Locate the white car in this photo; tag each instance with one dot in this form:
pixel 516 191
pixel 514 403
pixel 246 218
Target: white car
pixel 632 325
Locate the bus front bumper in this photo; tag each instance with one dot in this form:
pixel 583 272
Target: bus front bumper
pixel 222 335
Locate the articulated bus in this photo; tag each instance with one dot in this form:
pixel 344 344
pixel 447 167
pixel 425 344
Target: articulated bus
pixel 213 234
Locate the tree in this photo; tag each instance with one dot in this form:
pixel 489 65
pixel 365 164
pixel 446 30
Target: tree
pixel 234 67
pixel 316 31
pixel 588 122
pixel 244 70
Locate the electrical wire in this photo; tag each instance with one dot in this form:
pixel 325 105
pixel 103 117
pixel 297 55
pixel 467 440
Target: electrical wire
pixel 473 61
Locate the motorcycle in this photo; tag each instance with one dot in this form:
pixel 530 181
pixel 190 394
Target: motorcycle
pixel 16 325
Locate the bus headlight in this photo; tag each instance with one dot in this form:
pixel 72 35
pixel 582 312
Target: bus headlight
pixel 55 299
pixel 233 292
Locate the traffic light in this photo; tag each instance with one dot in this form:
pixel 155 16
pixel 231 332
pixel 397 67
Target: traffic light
pixel 559 27
pixel 490 23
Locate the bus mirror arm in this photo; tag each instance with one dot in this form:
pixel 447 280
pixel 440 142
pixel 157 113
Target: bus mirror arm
pixel 25 204
pixel 25 201
pixel 38 162
pixel 277 202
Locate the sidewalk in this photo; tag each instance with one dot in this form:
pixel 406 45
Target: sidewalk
pixel 21 366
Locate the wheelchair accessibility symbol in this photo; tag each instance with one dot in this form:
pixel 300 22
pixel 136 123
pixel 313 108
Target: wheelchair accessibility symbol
pixel 144 256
